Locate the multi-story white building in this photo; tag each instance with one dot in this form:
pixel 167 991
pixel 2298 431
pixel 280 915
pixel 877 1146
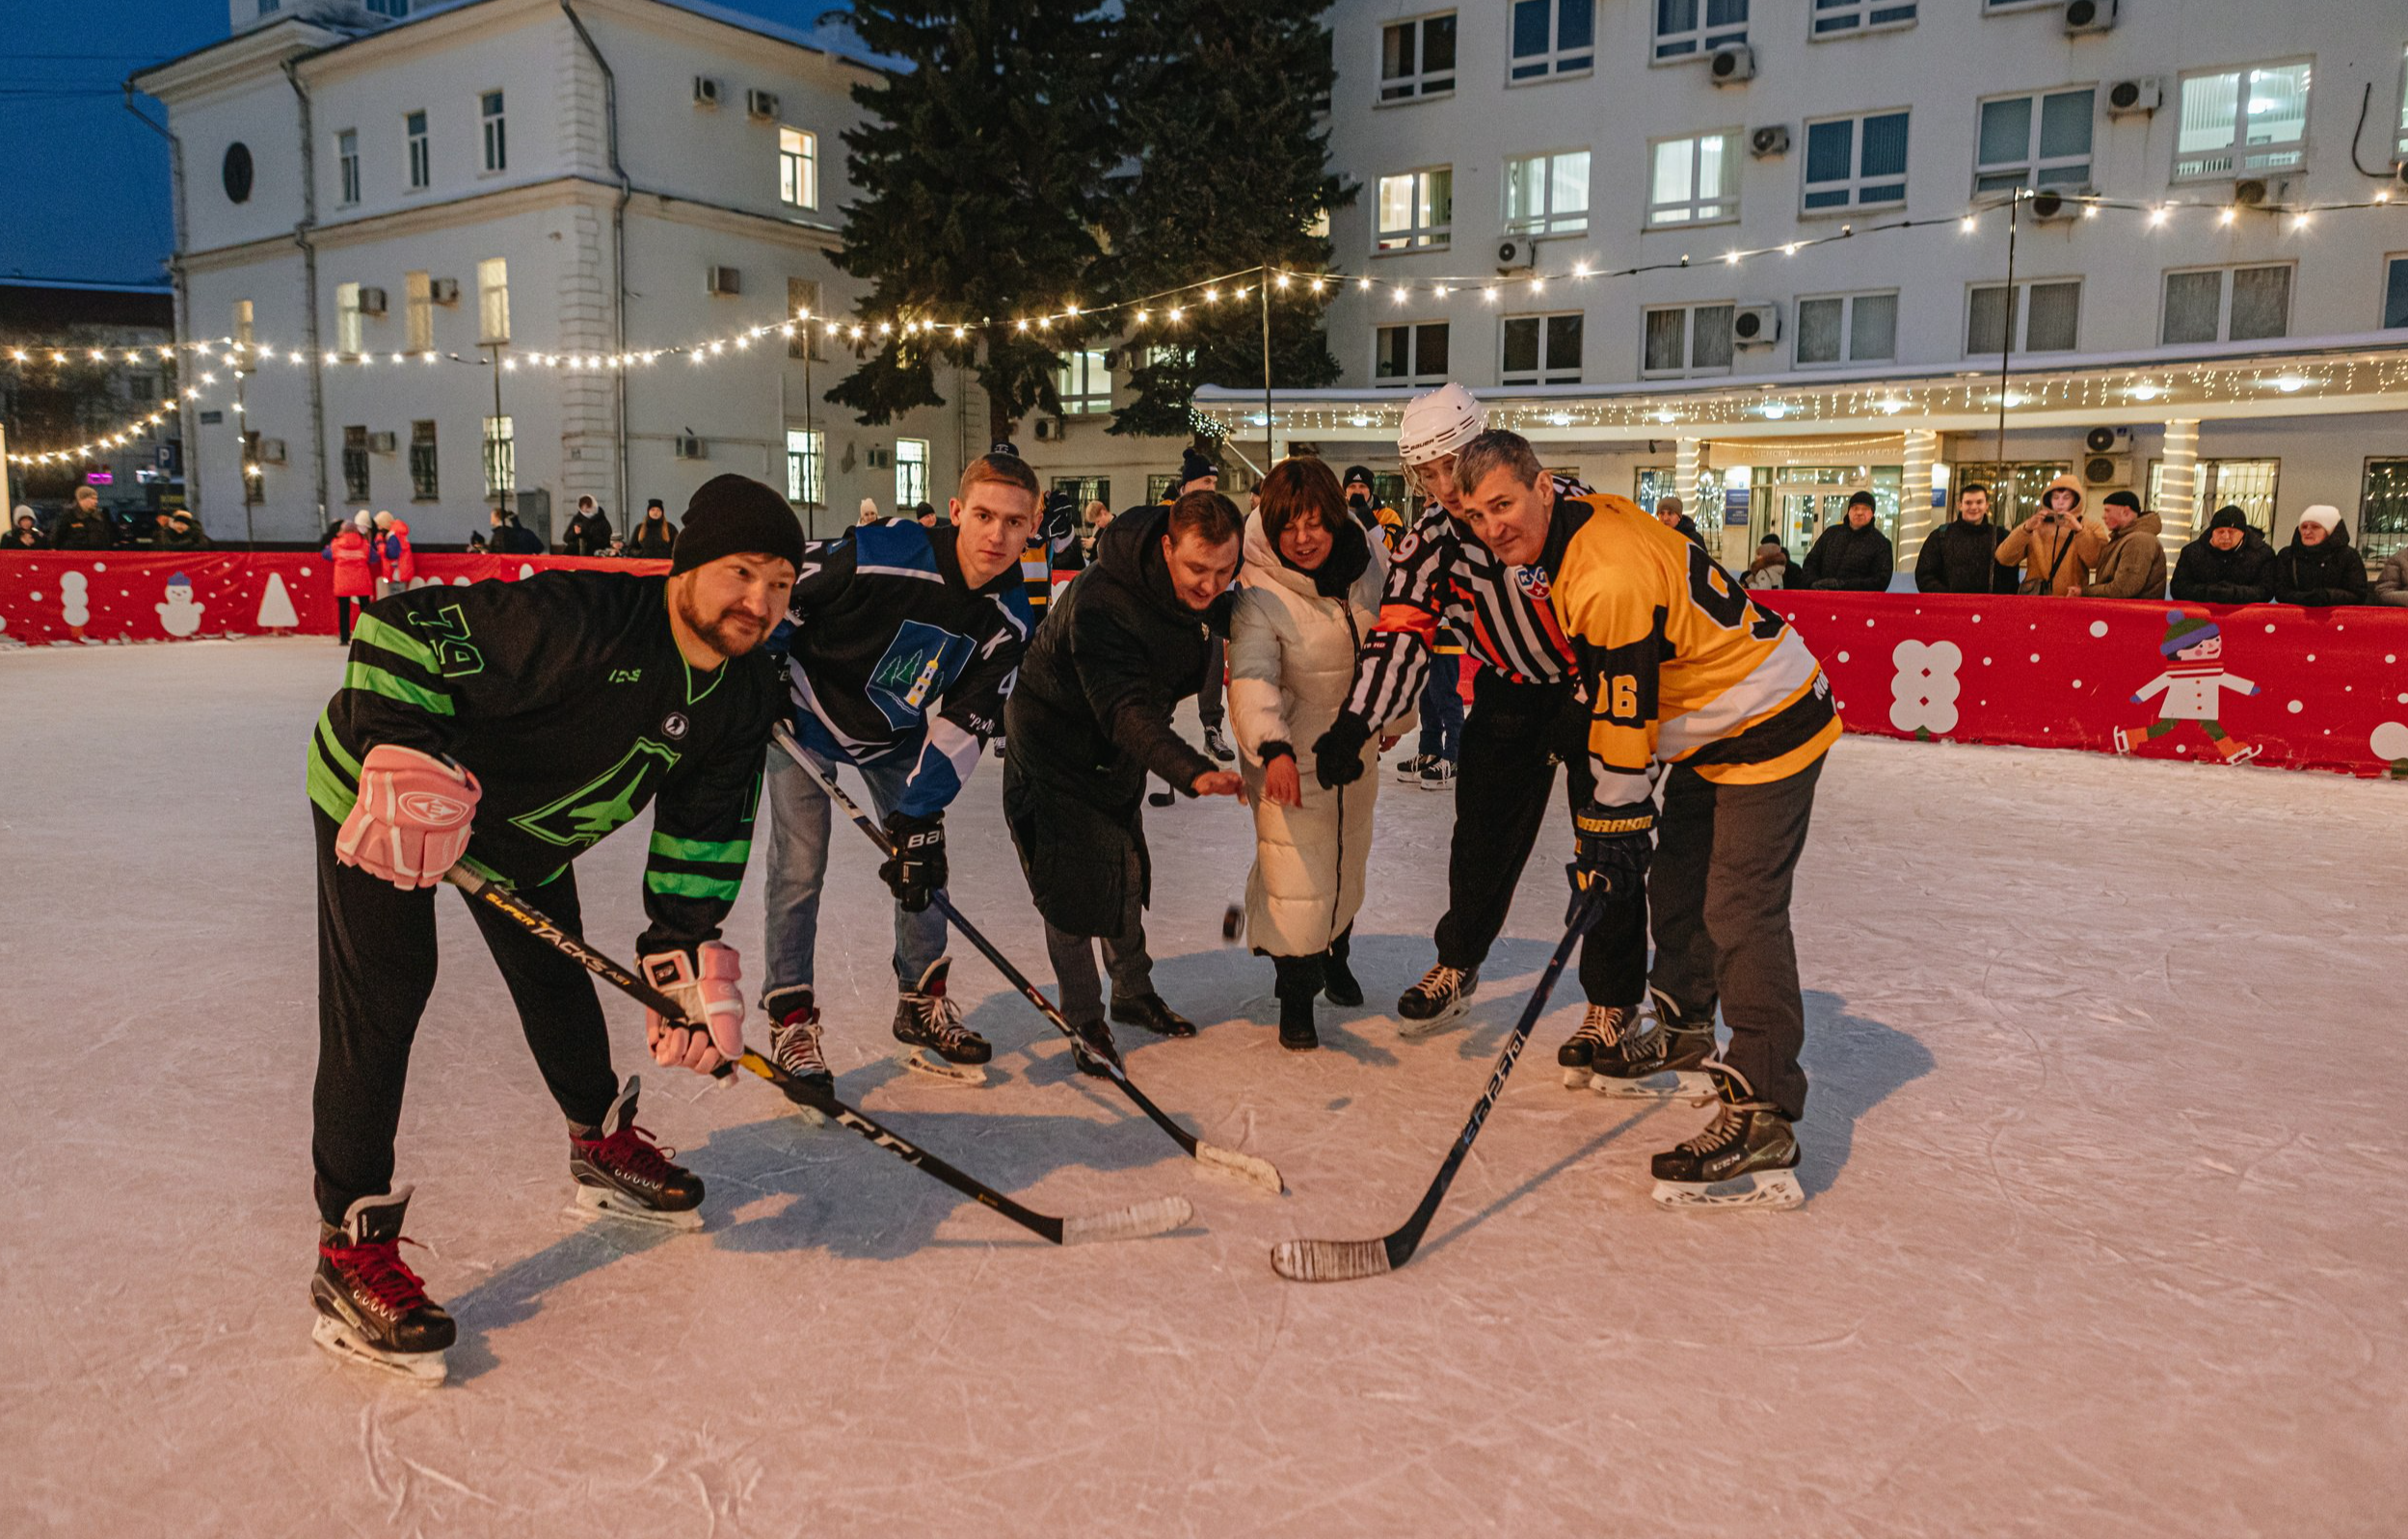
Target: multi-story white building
pixel 386 205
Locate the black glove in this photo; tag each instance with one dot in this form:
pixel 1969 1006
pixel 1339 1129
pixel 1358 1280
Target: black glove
pixel 1338 752
pixel 1612 846
pixel 916 868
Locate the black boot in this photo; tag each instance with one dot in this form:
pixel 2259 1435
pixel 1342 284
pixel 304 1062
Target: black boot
pixel 1300 982
pixel 1337 979
pixel 1148 1012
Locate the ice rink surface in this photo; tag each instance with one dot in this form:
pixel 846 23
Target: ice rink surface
pixel 2107 1229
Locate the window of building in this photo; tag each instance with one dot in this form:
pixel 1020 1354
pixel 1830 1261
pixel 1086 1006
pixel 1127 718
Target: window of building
pixel 1084 489
pixel 350 334
pixel 1553 37
pixel 1413 353
pixel 1084 384
pixel 424 485
pixel 421 164
pixel 394 9
pixel 1539 349
pixel 347 164
pixel 1856 161
pixel 418 299
pixel 501 462
pixel 2044 316
pixel 142 386
pixel 244 359
pixel 1686 339
pixel 1848 329
pixel 2245 484
pixel 2395 292
pixel 355 463
pixel 2227 303
pixel 798 168
pixel 1838 17
pixel 2383 510
pixel 805 463
pixel 1694 181
pixel 1691 28
pixel 493 299
pixel 802 299
pixel 2015 486
pixel 1416 209
pixel 1547 194
pixel 1157 488
pixel 2035 140
pixel 911 473
pixel 2242 122
pixel 497 131
pixel 1417 58
pixel 2399 144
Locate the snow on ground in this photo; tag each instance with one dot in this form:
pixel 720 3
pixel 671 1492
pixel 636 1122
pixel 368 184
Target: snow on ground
pixel 2105 1163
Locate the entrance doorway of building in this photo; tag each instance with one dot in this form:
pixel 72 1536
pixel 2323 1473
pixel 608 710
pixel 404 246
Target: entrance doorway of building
pixel 1808 499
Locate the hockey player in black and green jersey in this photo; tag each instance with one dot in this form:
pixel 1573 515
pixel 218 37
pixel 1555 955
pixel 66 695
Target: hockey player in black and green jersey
pixel 509 726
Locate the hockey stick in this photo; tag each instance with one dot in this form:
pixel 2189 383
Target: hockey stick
pixel 1341 1261
pixel 1212 1157
pixel 1154 1218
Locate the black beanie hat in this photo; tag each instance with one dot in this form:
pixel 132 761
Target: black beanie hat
pixel 735 516
pixel 1193 466
pixel 2123 499
pixel 1356 475
pixel 2229 517
pixel 1862 499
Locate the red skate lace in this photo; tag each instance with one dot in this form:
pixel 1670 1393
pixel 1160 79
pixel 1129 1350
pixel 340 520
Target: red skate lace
pixel 375 1267
pixel 630 1152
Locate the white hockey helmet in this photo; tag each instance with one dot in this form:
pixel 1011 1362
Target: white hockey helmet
pixel 1439 424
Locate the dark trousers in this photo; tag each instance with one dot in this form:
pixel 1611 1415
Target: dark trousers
pixel 1502 783
pixel 376 966
pixel 1305 976
pixel 1075 978
pixel 1210 709
pixel 346 610
pixel 1720 890
pixel 1442 707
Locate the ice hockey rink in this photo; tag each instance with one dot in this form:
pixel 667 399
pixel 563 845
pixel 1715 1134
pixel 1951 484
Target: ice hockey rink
pixel 2106 1230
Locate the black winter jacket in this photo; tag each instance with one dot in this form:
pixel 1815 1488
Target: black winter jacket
pixel 654 539
pixel 2318 575
pixel 77 530
pixel 1963 558
pixel 588 535
pixel 1857 560
pixel 2244 575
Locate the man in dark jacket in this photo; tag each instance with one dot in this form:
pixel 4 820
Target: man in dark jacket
pixel 179 530
pixel 511 538
pixel 2320 567
pixel 588 533
pixel 83 526
pixel 1852 555
pixel 1961 557
pixel 2231 563
pixel 1669 513
pixel 1089 718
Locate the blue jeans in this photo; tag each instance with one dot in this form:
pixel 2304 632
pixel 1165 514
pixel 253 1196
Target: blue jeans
pixel 800 817
pixel 1442 707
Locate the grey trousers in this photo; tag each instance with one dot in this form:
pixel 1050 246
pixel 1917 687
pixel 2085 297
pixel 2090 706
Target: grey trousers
pixel 1132 970
pixel 1718 896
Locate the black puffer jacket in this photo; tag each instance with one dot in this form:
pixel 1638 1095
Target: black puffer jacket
pixel 1857 560
pixel 2317 576
pixel 1963 558
pixel 2242 575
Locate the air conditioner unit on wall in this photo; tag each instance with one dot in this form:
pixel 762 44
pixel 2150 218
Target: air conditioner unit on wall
pixel 760 103
pixel 688 446
pixel 1516 254
pixel 1770 140
pixel 2127 96
pixel 1728 66
pixel 2055 206
pixel 718 279
pixel 705 92
pixel 2089 15
pixel 2258 191
pixel 2108 441
pixel 2107 469
pixel 371 301
pixel 444 291
pixel 1050 430
pixel 271 451
pixel 881 458
pixel 1755 325
pixel 382 442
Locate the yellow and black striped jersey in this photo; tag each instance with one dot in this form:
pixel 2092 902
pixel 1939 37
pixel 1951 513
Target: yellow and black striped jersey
pixel 1679 666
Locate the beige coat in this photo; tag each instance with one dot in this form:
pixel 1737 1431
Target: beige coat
pixel 2034 547
pixel 2131 564
pixel 1290 663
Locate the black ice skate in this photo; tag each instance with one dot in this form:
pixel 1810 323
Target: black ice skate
pixel 619 1171
pixel 1216 744
pixel 1408 769
pixel 1150 1012
pixel 1597 1042
pixel 1746 1158
pixel 795 1043
pixel 1093 1048
pixel 935 1042
pixel 1443 993
pixel 372 1308
pixel 1437 773
pixel 1661 1055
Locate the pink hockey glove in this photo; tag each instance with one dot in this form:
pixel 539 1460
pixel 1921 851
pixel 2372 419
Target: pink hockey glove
pixel 410 823
pixel 706 996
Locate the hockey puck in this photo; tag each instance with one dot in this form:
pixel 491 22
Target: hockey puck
pixel 1231 920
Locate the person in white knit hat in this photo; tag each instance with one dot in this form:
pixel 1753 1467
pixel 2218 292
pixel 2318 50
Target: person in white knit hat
pixel 2320 567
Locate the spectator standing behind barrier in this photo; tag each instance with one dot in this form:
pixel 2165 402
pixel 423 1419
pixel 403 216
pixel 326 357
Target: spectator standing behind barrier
pixel 179 530
pixel 397 557
pixel 1668 514
pixel 512 537
pixel 1771 567
pixel 2231 563
pixel 1852 556
pixel 2131 564
pixel 83 526
pixel 588 533
pixel 656 537
pixel 2390 584
pixel 1962 556
pixel 2320 567
pixel 24 533
pixel 355 569
pixel 2054 547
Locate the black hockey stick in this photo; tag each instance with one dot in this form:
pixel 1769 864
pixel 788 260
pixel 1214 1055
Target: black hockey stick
pixel 1342 1261
pixel 1212 1157
pixel 1122 1223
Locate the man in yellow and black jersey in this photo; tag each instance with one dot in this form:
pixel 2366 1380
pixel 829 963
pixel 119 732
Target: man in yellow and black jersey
pixel 1686 682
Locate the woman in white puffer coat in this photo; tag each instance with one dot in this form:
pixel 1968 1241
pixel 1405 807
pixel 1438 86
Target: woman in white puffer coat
pixel 1307 595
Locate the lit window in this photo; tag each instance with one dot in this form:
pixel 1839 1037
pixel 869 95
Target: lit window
pixel 1539 349
pixel 1547 194
pixel 2401 145
pixel 2227 305
pixel 493 299
pixel 2044 317
pixel 1416 209
pixel 501 462
pixel 421 167
pixel 1838 17
pixel 347 163
pixel 1414 352
pixel 2041 140
pixel 1692 29
pixel 803 466
pixel 418 297
pixel 798 168
pixel 1084 383
pixel 496 138
pixel 2242 122
pixel 243 312
pixel 1417 58
pixel 1553 37
pixel 910 474
pixel 1686 339
pixel 1694 181
pixel 1848 329
pixel 1858 162
pixel 349 335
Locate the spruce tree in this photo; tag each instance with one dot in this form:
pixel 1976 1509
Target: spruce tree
pixel 1221 103
pixel 980 168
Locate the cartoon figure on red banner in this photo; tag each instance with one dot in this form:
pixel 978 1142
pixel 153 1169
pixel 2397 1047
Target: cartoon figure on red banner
pixel 2192 684
pixel 179 617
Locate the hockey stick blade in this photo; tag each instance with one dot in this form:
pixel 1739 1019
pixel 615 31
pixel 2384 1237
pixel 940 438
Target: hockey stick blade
pixel 1160 1216
pixel 1329 1260
pixel 1250 1168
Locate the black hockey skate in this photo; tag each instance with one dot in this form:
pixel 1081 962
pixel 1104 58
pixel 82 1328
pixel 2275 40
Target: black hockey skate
pixel 620 1172
pixel 1597 1042
pixel 372 1308
pixel 1216 744
pixel 1149 1012
pixel 1746 1158
pixel 795 1043
pixel 1092 1048
pixel 1443 993
pixel 935 1042
pixel 1409 770
pixel 1661 1055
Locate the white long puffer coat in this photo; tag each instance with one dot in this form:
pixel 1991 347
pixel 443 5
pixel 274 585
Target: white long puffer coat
pixel 1290 663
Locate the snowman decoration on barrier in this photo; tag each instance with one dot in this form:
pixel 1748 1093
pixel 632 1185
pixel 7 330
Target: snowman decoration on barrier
pixel 179 617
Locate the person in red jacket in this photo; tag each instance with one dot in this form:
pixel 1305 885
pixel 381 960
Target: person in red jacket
pixel 355 569
pixel 398 559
